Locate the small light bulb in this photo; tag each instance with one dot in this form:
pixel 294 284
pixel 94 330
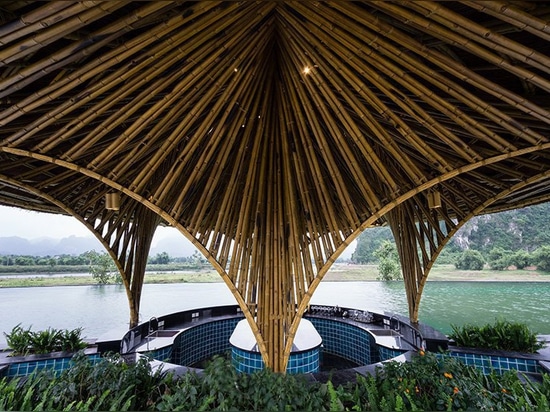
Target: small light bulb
pixel 307 69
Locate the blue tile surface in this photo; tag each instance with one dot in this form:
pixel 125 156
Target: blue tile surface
pixel 347 341
pixel 301 362
pixel 203 341
pixel 499 364
pixel 55 364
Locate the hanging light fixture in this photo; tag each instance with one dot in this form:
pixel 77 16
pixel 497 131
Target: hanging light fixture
pixel 434 199
pixel 112 201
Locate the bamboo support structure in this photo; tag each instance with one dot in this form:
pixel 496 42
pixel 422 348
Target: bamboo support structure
pixel 270 134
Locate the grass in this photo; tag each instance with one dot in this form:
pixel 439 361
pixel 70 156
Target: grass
pixel 340 272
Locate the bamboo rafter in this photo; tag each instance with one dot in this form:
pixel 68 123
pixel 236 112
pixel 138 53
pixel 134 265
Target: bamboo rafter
pixel 203 115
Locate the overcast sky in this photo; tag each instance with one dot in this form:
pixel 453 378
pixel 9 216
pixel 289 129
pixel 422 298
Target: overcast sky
pixel 34 225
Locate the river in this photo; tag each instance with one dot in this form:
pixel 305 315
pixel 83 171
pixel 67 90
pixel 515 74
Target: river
pixel 104 309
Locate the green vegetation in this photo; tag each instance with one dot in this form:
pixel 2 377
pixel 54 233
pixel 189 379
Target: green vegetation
pixel 367 244
pixel 388 261
pixel 502 335
pixel 14 264
pixel 542 258
pixel 24 341
pixel 428 382
pixel 102 268
pixel 518 238
pixel 470 260
pixel 339 272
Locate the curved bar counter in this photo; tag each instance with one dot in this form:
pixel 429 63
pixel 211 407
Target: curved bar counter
pixel 355 338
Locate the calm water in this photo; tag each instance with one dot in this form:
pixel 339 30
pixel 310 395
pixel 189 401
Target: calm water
pixel 104 309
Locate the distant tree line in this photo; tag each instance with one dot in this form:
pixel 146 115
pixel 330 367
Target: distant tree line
pixel 518 238
pixel 61 260
pixel 87 258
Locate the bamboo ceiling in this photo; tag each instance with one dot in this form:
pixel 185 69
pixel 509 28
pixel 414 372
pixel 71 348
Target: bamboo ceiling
pixel 271 133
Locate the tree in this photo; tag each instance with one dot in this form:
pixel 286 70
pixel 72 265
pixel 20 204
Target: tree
pixel 388 261
pixel 499 259
pixel 542 258
pixel 368 242
pixel 521 259
pixel 197 259
pixel 24 260
pixel 470 260
pixel 102 267
pixel 160 259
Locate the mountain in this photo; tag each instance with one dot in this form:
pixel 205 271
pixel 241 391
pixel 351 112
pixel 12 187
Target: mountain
pixel 45 246
pixel 520 229
pixel 175 245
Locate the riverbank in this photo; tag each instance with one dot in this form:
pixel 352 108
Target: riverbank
pixel 340 272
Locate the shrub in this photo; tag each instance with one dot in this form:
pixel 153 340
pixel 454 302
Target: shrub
pixel 542 258
pixel 438 382
pixel 499 258
pixel 222 388
pixel 111 384
pixel 502 335
pixel 521 259
pixel 470 260
pixel 24 341
pixel 19 340
pixel 428 382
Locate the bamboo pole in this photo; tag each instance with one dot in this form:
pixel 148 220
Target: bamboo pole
pixel 352 48
pixel 87 14
pixel 219 135
pixel 507 12
pixel 103 64
pixel 463 30
pixel 417 89
pixel 141 179
pixel 46 13
pixel 328 207
pixel 449 66
pixel 76 51
pixel 174 54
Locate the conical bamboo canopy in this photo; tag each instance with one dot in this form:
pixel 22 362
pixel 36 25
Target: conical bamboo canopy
pixel 271 133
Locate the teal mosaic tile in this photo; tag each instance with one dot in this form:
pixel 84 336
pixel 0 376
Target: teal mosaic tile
pixel 56 364
pixel 203 341
pixel 387 353
pixel 500 364
pixel 302 362
pixel 347 341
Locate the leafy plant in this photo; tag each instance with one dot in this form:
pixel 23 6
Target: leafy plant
pixel 439 382
pixel 44 341
pixel 19 340
pixel 499 258
pixel 428 382
pixel 502 335
pixel 521 259
pixel 24 341
pixel 71 340
pixel 542 258
pixel 102 268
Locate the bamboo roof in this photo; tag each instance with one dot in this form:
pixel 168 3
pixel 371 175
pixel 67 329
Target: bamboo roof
pixel 271 133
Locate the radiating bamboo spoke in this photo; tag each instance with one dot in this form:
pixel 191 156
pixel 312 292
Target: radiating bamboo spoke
pixel 271 132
